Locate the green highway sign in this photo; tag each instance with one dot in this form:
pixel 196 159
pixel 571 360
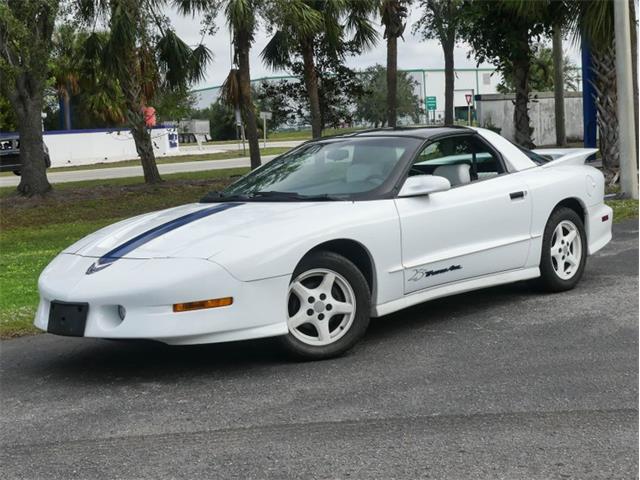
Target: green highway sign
pixel 431 103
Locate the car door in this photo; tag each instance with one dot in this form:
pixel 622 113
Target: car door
pixel 478 227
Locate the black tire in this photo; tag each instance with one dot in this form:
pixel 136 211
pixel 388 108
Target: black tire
pixel 17 172
pixel 550 281
pixel 349 272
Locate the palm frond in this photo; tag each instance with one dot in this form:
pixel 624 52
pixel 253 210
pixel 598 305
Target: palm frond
pixel 191 7
pixel 595 22
pixel 201 56
pixel 277 52
pixel 365 35
pixel 230 90
pixel 303 18
pixel 174 56
pixel 240 15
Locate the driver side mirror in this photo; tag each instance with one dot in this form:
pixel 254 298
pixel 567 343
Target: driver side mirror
pixel 419 185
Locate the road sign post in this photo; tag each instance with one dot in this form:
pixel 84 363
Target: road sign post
pixel 469 98
pixel 265 116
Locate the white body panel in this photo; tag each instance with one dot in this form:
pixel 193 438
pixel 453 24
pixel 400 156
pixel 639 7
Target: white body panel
pixel 470 231
pixel 471 236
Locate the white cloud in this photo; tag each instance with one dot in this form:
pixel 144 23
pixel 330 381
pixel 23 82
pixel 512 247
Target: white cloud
pixel 413 53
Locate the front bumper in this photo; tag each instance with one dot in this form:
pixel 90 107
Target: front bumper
pixel 148 288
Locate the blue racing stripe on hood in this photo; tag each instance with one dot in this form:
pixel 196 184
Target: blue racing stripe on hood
pixel 130 245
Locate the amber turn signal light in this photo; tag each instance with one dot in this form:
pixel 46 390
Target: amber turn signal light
pixel 199 305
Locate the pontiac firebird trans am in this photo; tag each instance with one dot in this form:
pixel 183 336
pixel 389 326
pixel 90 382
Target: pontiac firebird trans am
pixel 311 245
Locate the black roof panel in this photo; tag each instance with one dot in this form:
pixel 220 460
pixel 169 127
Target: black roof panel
pixel 419 132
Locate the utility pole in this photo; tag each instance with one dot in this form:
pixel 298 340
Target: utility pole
pixel 624 82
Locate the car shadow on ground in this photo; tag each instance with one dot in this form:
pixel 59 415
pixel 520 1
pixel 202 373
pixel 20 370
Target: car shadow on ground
pixel 89 360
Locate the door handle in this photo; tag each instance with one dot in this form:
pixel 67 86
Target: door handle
pixel 516 195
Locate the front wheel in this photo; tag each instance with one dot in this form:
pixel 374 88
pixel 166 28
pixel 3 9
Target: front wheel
pixel 564 251
pixel 328 306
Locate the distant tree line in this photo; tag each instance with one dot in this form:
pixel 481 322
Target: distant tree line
pixel 107 61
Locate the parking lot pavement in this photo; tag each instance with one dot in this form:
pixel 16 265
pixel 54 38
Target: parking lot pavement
pixel 500 383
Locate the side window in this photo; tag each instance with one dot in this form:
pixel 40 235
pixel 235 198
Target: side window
pixel 486 163
pixel 451 158
pixel 460 159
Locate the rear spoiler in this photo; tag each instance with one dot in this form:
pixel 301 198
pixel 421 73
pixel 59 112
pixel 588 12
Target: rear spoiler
pixel 565 156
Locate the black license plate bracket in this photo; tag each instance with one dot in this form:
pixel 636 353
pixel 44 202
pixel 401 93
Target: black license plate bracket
pixel 69 319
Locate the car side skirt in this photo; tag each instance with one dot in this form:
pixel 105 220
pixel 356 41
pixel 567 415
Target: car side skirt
pixel 455 288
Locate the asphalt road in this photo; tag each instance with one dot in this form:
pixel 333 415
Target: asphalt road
pixel 164 168
pixel 502 383
pixel 126 172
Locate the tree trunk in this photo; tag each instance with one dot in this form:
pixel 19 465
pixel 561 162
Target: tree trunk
pixel 634 62
pixel 604 61
pixel 144 147
pixel 558 86
pixel 243 45
pixel 311 83
pixel 66 102
pixel 26 100
pixel 134 99
pixel 449 81
pixel 141 135
pixel 521 67
pixel 392 80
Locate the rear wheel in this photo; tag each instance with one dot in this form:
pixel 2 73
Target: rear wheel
pixel 564 251
pixel 328 307
pixel 16 172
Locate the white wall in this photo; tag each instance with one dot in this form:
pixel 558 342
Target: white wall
pixel 78 147
pixel 497 110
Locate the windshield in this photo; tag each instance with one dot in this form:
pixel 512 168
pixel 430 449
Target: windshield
pixel 332 169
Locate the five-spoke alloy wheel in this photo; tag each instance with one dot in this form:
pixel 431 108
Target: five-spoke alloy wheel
pixel 321 307
pixel 564 251
pixel 327 306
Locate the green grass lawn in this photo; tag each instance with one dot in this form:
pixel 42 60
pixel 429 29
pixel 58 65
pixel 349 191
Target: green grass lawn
pixel 172 159
pixel 33 231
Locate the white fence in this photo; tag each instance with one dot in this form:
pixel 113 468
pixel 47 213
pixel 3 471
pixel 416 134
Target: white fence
pixel 84 147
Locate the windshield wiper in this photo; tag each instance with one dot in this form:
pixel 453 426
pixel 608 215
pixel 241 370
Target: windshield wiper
pixel 271 195
pixel 275 195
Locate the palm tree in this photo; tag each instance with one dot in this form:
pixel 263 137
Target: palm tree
pixel 393 14
pixel 594 22
pixel 502 35
pixel 560 12
pixel 64 68
pixel 301 25
pixel 100 93
pixel 241 19
pixel 143 53
pixel 441 19
pixel 558 83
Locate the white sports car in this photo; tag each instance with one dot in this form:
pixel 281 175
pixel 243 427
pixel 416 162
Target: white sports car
pixel 311 245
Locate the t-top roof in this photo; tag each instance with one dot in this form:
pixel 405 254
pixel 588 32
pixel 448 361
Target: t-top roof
pixel 419 132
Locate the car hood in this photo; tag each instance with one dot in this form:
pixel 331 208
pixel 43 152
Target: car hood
pixel 199 230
